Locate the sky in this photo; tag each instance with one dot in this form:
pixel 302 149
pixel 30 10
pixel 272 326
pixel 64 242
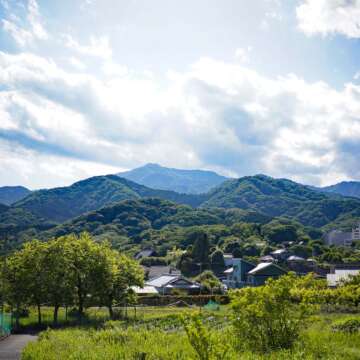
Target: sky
pixel 92 87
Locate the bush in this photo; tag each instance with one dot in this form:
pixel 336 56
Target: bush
pixel 351 325
pixel 265 318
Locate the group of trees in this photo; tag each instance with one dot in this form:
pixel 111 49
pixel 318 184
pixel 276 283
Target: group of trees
pixel 67 271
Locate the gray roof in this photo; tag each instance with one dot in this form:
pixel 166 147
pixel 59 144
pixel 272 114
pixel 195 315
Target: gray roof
pixel 295 258
pixel 171 281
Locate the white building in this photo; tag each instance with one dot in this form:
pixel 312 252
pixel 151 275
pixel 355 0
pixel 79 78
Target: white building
pixel 340 275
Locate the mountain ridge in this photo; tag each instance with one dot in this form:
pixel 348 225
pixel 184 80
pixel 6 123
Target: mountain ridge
pixel 179 180
pixel 11 194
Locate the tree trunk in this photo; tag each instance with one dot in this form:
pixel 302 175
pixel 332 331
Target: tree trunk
pixel 56 310
pixel 80 298
pixel 111 312
pixel 39 314
pixel 17 321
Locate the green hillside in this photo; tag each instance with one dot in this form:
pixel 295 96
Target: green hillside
pixel 135 222
pixel 61 204
pixel 11 194
pixel 345 188
pixel 282 197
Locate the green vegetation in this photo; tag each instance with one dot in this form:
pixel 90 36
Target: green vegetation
pixel 12 194
pixel 67 271
pixel 269 322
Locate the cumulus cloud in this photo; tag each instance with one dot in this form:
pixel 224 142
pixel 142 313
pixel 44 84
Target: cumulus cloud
pixel 329 16
pixel 24 30
pixel 97 47
pixel 218 115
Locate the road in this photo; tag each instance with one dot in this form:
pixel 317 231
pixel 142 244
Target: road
pixel 11 347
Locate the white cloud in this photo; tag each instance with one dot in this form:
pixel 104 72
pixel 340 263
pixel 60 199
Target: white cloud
pixel 243 54
pixel 218 115
pixel 97 47
pixel 25 31
pixel 79 65
pixel 329 16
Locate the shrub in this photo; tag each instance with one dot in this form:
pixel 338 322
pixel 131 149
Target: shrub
pixel 351 325
pixel 265 318
pixel 204 343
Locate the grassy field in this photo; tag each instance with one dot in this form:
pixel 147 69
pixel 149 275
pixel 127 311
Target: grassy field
pixel 157 333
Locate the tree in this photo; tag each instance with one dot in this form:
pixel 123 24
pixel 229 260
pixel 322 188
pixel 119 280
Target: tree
pixel 266 318
pixel 209 281
pixel 116 274
pixel 217 261
pixel 200 251
pixel 14 279
pixel 57 273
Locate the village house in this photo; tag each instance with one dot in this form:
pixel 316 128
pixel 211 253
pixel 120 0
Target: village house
pixel 339 275
pixel 341 238
pixel 263 271
pixel 167 283
pixel 243 273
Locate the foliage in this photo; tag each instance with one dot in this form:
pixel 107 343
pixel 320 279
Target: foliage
pixel 266 318
pixel 206 346
pixel 209 282
pixel 351 325
pixel 65 271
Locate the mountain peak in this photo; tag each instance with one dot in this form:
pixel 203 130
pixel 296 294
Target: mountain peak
pixel 180 180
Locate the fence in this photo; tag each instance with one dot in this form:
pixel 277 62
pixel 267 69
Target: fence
pixel 5 324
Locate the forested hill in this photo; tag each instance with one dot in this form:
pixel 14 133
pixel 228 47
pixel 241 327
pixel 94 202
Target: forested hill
pixel 130 223
pixel 181 181
pixel 345 188
pixel 11 194
pixel 61 204
pixel 282 197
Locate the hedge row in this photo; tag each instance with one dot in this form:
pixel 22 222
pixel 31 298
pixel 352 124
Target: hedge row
pixel 199 300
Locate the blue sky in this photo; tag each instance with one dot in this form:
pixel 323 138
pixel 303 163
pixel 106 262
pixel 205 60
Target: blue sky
pixel 240 87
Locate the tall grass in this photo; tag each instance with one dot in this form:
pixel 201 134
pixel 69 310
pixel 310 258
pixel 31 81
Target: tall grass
pixel 162 337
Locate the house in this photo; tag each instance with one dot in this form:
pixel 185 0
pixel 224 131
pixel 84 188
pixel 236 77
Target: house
pixel 340 275
pixel 340 238
pixel 294 258
pixel 146 290
pixel 145 253
pixel 228 260
pixel 267 258
pixel 243 273
pixel 155 271
pixel 166 284
pixel 236 276
pixel 263 271
pixel 280 254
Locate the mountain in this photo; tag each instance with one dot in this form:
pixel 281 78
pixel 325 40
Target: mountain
pixel 345 188
pixel 11 194
pixel 181 181
pixel 282 197
pixel 61 204
pixel 130 223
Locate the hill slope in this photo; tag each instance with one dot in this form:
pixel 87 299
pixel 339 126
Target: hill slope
pixel 12 194
pixel 345 188
pixel 281 197
pixel 130 223
pixel 181 181
pixel 61 204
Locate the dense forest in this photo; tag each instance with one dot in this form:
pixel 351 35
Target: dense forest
pixel 133 216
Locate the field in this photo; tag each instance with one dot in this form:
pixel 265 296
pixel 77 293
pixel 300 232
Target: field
pixel 158 333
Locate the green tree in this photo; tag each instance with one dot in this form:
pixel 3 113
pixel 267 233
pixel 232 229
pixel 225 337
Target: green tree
pixel 217 261
pixel 266 318
pixel 200 250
